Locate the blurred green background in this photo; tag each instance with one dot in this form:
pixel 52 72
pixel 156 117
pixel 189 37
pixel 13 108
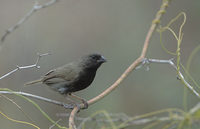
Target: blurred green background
pixel 114 28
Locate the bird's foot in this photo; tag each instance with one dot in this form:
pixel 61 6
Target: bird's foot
pixel 85 103
pixel 81 99
pixel 68 106
pixel 78 106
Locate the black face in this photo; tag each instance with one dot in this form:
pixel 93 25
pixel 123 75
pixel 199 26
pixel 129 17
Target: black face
pixel 94 60
pixel 97 58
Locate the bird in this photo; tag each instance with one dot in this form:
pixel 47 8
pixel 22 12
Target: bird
pixel 74 76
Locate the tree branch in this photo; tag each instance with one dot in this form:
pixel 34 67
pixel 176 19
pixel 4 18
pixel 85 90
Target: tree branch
pixel 175 67
pixel 67 106
pixel 35 8
pixel 27 66
pixel 155 22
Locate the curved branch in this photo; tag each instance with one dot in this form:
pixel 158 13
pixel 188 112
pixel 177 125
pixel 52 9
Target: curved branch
pixel 72 124
pixel 155 22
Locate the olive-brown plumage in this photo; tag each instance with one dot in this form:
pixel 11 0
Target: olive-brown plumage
pixel 73 76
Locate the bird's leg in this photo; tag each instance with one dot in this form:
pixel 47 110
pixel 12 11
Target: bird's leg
pixel 81 99
pixel 73 103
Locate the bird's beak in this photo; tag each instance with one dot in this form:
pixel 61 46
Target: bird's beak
pixel 102 60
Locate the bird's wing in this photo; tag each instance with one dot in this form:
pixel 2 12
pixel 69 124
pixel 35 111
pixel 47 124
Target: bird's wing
pixel 65 73
pixel 62 78
pixel 48 73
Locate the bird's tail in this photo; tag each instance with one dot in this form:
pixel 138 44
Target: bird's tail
pixel 33 82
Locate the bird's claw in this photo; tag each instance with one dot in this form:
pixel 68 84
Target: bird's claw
pixel 68 106
pixel 78 106
pixel 85 103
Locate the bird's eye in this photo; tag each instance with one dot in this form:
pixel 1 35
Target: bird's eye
pixel 95 57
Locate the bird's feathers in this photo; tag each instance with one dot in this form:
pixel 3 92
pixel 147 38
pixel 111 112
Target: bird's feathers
pixel 34 82
pixel 73 76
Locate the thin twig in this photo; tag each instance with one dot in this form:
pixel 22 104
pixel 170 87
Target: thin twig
pixel 54 124
pixel 154 24
pixel 195 108
pixel 175 67
pixel 67 106
pixel 12 101
pixel 26 67
pixel 35 8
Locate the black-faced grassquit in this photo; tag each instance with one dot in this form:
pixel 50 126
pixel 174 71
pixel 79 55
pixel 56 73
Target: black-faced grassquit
pixel 74 76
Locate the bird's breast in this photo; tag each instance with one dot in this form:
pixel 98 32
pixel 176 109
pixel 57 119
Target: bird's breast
pixel 85 79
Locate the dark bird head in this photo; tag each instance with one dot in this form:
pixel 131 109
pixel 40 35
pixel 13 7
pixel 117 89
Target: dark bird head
pixel 93 61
